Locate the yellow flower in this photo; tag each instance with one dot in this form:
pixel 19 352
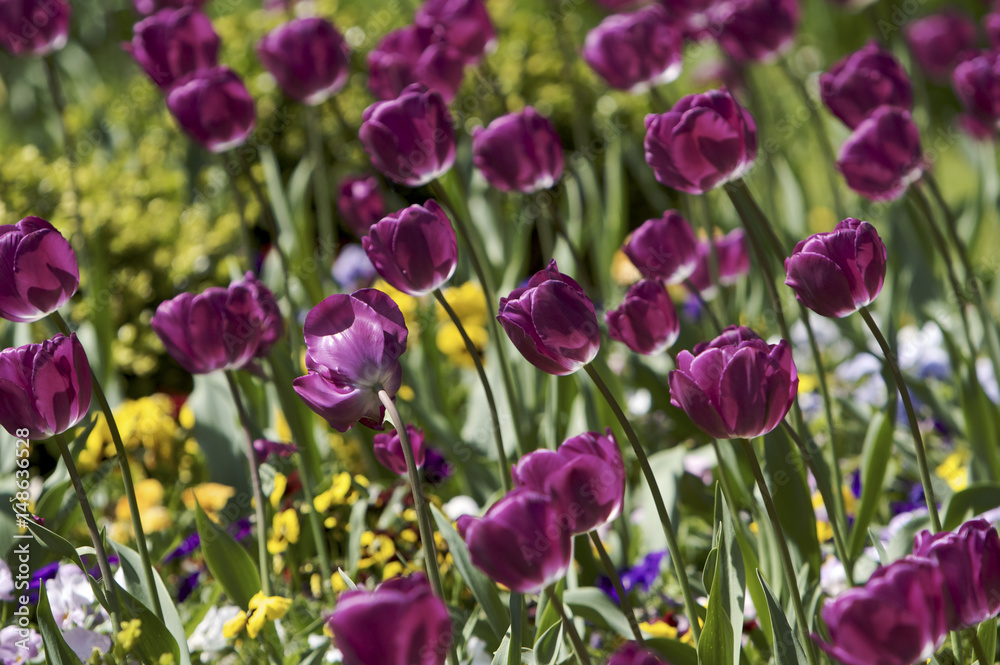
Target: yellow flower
pixel 263 609
pixel 234 626
pixel 153 516
pixel 129 634
pixel 467 301
pixel 213 497
pixel 284 531
pixel 405 393
pixel 392 569
pixel 808 383
pixel 623 271
pixel 146 423
pixel 336 495
pixel 450 343
pixel 280 483
pixel 955 470
pixel 376 548
pixel 338 583
pixel 659 629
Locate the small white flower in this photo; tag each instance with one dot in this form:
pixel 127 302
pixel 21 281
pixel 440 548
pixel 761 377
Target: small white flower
pixel 6 582
pixel 207 637
pixel 461 505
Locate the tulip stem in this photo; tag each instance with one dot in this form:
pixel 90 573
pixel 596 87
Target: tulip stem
pixel 704 305
pixel 911 416
pixel 255 486
pixel 474 352
pixel 95 533
pixel 126 470
pixel 616 581
pixel 668 530
pixel 321 186
pixel 786 559
pixel 582 655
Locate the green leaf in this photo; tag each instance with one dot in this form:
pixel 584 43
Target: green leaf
pixel 483 589
pixel 514 650
pixel 981 426
pixel 228 562
pixel 883 557
pixel 974 499
pixel 62 548
pixel 155 640
pixel 217 432
pixel 500 655
pixel 57 652
pixel 792 500
pixel 786 647
pixel 667 465
pixel 988 636
pixel 874 461
pixel 732 579
pixel 547 646
pixel 347 579
pixel 358 513
pixel 716 645
pixel 675 651
pixel 592 604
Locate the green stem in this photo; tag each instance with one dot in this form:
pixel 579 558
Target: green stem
pixel 126 470
pixel 258 492
pixel 321 186
pixel 911 416
pixel 668 530
pixel 716 324
pixel 95 534
pixel 474 352
pixel 786 559
pixel 616 581
pixel 419 503
pixel 582 656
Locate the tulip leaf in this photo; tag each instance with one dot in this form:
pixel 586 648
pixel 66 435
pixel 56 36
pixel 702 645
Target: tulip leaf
pixel 668 466
pixel 347 579
pixel 988 636
pixel 875 456
pixel 675 651
pixel 357 522
pixel 974 499
pixel 516 625
pixel 792 499
pixel 592 604
pixel 784 643
pixel 730 559
pixel 500 655
pixel 217 432
pixel 228 562
pixel 716 645
pixel 981 427
pixel 548 645
pixel 483 589
pixel 155 640
pixel 57 652
pixel 62 547
pixel 883 556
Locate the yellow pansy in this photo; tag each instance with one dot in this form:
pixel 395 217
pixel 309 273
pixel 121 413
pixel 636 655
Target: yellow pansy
pixel 129 634
pixel 467 301
pixel 234 626
pixel 659 629
pixel 285 530
pixel 449 342
pixel 147 423
pixel 152 514
pixel 263 609
pixel 808 383
pixel 954 470
pixel 335 496
pixel 280 484
pixel 392 569
pixel 376 548
pixel 212 497
pixel 623 271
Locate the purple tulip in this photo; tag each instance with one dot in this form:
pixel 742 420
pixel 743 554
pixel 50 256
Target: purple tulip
pixel 635 51
pixel 969 561
pixel 267 449
pixel 696 18
pixel 34 27
pixel 704 141
pixel 415 54
pixel 389 450
pixel 147 7
pixel 663 248
pixel 353 345
pixel 864 80
pixel 267 317
pixel 414 249
pixel 991 22
pixel 518 152
pixel 896 618
pixel 410 139
pixel 756 30
pixel 38 270
pixel 359 203
pixel 552 322
pixel 307 57
pixel 837 273
pixel 465 24
pixel 975 128
pixel 401 623
pixel 584 478
pixel 633 654
pixel 938 41
pixel 977 85
pixel 214 108
pixel 736 386
pixel 733 262
pixel 174 43
pixel 44 388
pixel 646 321
pixel 882 157
pixel 522 542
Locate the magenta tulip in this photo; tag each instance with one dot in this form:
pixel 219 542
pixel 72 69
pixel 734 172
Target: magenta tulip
pixel 518 152
pixel 415 54
pixel 308 59
pixel 977 85
pixel 45 389
pixel 646 321
pixel 174 43
pixel 38 270
pixel 991 22
pixel 414 249
pixel 733 262
pixel 864 80
pixel 214 108
pixel 938 41
pixel 267 315
pixel 633 654
pixel 882 157
pixel 359 203
pixel 464 24
pixel 389 449
pixel 34 27
pixel 635 51
pixel 147 7
pixel 663 248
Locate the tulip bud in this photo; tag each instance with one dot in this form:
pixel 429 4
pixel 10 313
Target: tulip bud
pixel 360 204
pixel 34 27
pixel 414 249
pixel 646 321
pixel 267 317
pixel 389 449
pixel 214 108
pixel 704 141
pixel 552 322
pixel 411 139
pixel 733 262
pixel 464 24
pixel 519 152
pixel 414 55
pixel 756 30
pixel 882 157
pixel 663 248
pixel 38 270
pixel 977 85
pixel 837 273
pixel 635 51
pixel 44 388
pixel 174 43
pixel 308 59
pixel 864 80
pixel 938 41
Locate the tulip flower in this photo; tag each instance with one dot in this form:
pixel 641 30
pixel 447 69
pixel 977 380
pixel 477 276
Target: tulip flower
pixel 147 7
pixel 646 321
pixel 633 654
pixel 977 85
pixel 938 41
pixel 552 322
pixel 389 449
pixel 969 561
pixel 756 30
pixel 518 152
pixel 415 54
pixel 837 273
pixel 267 316
pixel 733 262
pixel 174 43
pixel 400 623
pixel 34 27
pixel 736 386
pixel 414 249
pixel 410 139
pixel 584 478
pixel 635 51
pixel 882 157
pixel 464 24
pixel 864 80
pixel 308 59
pixel 38 270
pixel 214 108
pixel 359 203
pixel 45 388
pixel 353 345
pixel 991 22
pixel 522 542
pixel 897 618
pixel 663 248
pixel 704 141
